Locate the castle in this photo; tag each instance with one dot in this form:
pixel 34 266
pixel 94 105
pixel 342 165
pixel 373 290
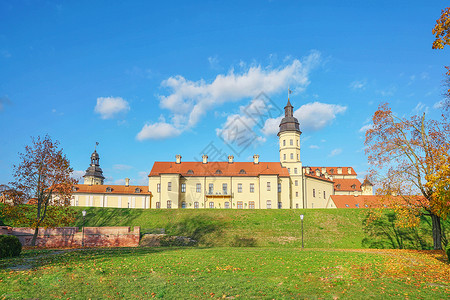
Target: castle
pixel 229 184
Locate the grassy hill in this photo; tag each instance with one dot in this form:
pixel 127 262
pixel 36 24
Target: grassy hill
pixel 332 228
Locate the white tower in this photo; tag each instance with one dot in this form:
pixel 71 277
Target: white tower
pixel 289 139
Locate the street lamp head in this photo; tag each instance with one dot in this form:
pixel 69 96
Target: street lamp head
pixel 301 217
pixel 84 213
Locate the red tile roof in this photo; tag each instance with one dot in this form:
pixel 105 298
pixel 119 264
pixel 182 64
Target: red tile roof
pixel 333 170
pixel 115 189
pixel 193 168
pixel 351 201
pixel 346 184
pixel 313 175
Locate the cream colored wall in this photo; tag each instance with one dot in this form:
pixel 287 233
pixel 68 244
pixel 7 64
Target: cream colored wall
pixel 111 200
pixel 152 186
pixel 245 197
pixel 284 196
pixel 191 196
pixel 172 195
pixel 319 186
pixel 271 195
pixel 287 148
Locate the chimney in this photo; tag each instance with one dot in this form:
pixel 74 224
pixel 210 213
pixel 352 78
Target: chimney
pixel 256 159
pixel 339 170
pixel 178 159
pixel 307 170
pixel 349 170
pixel 205 158
pixel 230 159
pixel 127 181
pixel 324 170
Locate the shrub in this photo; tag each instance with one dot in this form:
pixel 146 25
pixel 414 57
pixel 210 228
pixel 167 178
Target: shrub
pixel 10 246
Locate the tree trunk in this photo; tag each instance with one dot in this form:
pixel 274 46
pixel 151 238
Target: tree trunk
pixel 436 222
pixel 33 241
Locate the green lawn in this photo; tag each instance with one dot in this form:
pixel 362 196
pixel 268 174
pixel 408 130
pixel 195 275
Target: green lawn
pixel 261 273
pixel 323 228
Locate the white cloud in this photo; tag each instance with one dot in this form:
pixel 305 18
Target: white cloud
pixel 358 84
pixel 311 116
pixel 159 130
pixel 420 108
pixel 439 105
pixel 314 147
pixel 335 152
pixel 109 107
pixel 78 175
pixel 190 100
pixel 365 128
pixel 214 62
pixel 143 178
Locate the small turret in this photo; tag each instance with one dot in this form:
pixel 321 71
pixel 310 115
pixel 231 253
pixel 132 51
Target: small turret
pixel 94 174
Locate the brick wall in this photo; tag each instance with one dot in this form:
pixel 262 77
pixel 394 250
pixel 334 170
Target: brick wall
pixel 70 237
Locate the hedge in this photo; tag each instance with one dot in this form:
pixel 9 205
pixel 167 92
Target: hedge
pixel 10 246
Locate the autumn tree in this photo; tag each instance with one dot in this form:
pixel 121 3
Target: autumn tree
pixel 42 177
pixel 441 32
pixel 408 156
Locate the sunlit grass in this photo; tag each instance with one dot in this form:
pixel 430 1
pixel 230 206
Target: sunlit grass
pixel 261 273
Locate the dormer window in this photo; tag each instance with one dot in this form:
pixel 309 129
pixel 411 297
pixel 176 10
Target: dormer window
pixel 108 189
pixel 331 171
pixel 353 186
pixel 137 190
pixel 338 186
pixel 242 171
pixel 74 189
pixel 190 172
pixel 218 171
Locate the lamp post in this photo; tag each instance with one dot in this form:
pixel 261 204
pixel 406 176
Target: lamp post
pixel 301 218
pixel 82 238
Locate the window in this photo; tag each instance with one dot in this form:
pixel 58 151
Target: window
pixel 353 186
pixel 227 204
pixel 183 187
pixel 211 204
pixel 239 204
pixel 314 192
pixel 292 155
pixel 251 204
pixel 158 188
pixel 324 195
pixel 108 189
pixel 190 172
pixel 269 204
pixel 298 157
pixel 357 205
pixel 195 204
pixel 346 205
pixel 239 187
pixel 169 204
pixel 252 187
pixel 331 171
pixel 284 156
pixel 211 188
pixel 298 143
pixel 296 183
pixel 295 171
pixel 137 190
pixel 280 206
pixel 169 186
pixel 199 187
pixel 284 142
pixel 289 170
pixel 296 205
pixel 158 204
pixel 296 194
pixel 268 186
pixel 279 188
pixel 242 171
pixel 338 186
pixel 183 204
pixel 218 172
pixel 224 188
pixel 292 142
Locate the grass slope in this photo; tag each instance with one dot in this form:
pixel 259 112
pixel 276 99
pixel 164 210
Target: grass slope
pixel 261 273
pixel 323 228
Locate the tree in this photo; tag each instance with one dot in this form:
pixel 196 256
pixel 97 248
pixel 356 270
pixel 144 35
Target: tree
pixel 43 174
pixel 441 32
pixel 407 158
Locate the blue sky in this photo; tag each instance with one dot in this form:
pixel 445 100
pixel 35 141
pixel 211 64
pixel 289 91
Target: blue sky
pixel 150 80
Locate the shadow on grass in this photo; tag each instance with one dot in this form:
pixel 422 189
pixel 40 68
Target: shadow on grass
pixel 105 217
pixel 383 233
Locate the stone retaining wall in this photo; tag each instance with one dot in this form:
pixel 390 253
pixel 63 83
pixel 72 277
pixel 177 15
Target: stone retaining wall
pixel 62 237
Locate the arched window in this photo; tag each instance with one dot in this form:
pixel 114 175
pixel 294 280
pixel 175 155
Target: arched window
pixel 190 172
pixel 242 171
pixel 218 171
pixel 108 189
pixel 137 190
